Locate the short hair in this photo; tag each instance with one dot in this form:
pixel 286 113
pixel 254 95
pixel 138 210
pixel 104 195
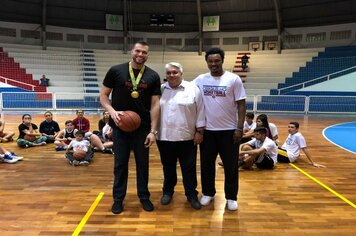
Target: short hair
pixel 295 123
pixel 80 132
pixel 68 121
pixel 215 51
pixel 260 130
pixel 174 64
pixel 250 115
pixel 79 111
pixel 144 43
pixel 48 112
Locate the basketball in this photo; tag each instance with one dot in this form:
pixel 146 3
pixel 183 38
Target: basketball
pixel 29 138
pixel 130 121
pixel 79 155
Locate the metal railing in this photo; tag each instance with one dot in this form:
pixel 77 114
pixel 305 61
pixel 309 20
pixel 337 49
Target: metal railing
pixel 286 104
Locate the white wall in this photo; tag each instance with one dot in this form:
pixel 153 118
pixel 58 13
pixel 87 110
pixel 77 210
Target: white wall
pixel 345 83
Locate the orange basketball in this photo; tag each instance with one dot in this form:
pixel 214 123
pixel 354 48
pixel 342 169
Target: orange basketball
pixel 29 138
pixel 130 121
pixel 79 155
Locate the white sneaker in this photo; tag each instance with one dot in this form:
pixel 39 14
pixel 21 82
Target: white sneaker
pixel 8 159
pixel 83 163
pixel 205 200
pixel 16 157
pixel 232 205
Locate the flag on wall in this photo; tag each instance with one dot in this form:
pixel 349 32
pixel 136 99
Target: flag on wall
pixel 114 22
pixel 211 23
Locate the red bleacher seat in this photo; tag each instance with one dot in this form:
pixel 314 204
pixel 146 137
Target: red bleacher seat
pixel 12 70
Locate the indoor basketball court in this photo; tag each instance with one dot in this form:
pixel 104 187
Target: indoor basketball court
pixel 44 195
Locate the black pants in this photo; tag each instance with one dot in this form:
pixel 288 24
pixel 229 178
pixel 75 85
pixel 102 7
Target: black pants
pixel 123 143
pixel 186 153
pixel 219 142
pixel 282 156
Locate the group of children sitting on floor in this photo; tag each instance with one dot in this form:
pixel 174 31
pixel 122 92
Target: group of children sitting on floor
pixel 259 145
pixel 75 136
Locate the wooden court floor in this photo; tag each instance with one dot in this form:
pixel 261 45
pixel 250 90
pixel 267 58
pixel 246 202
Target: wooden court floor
pixel 43 195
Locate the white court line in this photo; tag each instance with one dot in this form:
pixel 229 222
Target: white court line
pixel 335 143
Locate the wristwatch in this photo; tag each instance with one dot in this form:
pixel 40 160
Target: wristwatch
pixel 154 132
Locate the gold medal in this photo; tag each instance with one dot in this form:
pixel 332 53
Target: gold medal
pixel 135 94
pixel 135 81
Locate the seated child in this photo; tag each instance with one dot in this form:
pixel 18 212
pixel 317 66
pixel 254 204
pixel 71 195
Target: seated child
pixel 79 143
pixel 28 133
pixel 64 137
pixel 261 151
pixel 295 142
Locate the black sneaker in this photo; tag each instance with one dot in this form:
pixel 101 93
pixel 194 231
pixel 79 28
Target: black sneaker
pixel 240 163
pixel 147 205
pixel 195 203
pixel 166 199
pixel 117 207
pixel 107 150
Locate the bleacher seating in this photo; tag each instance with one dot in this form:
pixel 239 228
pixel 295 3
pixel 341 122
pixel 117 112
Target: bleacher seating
pixel 63 66
pixel 332 60
pixel 17 75
pixel 76 75
pixel 268 68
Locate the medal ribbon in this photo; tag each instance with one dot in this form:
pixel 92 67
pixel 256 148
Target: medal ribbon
pixel 135 81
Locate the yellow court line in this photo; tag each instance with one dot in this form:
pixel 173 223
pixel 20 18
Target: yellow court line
pixel 325 186
pixel 88 214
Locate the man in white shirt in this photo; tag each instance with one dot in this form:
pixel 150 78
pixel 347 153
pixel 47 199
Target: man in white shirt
pixel 295 142
pixel 223 96
pixel 182 125
pixel 261 151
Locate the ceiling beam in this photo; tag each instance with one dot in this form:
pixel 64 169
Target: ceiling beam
pixel 277 6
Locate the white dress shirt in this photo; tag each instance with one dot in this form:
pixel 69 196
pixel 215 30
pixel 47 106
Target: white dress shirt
pixel 182 111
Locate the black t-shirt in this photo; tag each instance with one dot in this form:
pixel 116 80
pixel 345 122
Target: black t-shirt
pixel 49 128
pixel 101 125
pixel 118 79
pixel 23 127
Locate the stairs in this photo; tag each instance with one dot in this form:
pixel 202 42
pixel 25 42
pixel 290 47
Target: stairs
pixel 238 66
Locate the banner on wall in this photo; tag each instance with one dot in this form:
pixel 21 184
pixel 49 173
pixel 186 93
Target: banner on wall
pixel 114 22
pixel 211 23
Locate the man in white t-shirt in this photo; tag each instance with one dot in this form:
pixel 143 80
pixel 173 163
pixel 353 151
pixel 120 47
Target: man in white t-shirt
pixel 261 151
pixel 223 97
pixel 295 142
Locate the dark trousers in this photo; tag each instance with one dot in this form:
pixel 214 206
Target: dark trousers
pixel 123 143
pixel 186 153
pixel 219 142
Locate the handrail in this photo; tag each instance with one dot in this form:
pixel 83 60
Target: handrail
pixel 19 82
pixel 321 77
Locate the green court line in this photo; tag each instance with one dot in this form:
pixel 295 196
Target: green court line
pixel 324 186
pixel 88 214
